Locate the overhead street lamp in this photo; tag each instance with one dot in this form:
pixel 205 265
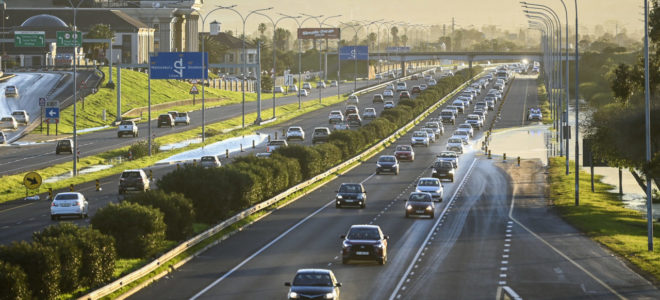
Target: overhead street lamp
pixel 647 117
pixel 300 24
pixel 244 19
pixel 203 72
pixel 366 25
pixel 275 22
pixel 353 26
pixel 551 73
pixel 75 87
pixel 326 46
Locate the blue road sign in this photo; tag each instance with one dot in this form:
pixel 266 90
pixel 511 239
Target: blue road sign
pixel 354 52
pixel 178 65
pixel 398 49
pixel 53 113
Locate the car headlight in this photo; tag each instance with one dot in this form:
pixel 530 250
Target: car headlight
pixel 429 207
pixel 330 295
pixel 339 197
pixel 378 165
pixel 293 295
pixel 451 171
pixel 360 197
pixel 434 171
pixel 438 191
pixel 379 245
pixel 418 190
pixel 346 245
pixel 409 207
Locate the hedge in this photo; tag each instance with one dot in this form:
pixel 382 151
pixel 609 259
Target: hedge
pixel 13 282
pixel 39 262
pixel 177 209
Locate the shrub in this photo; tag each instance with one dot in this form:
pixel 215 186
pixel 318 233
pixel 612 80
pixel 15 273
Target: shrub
pixel 13 282
pixel 308 158
pixel 41 265
pixel 177 209
pixel 70 257
pixel 330 155
pixel 139 231
pixel 141 149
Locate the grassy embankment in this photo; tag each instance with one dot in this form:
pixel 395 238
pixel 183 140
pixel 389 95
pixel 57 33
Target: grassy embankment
pixel 603 217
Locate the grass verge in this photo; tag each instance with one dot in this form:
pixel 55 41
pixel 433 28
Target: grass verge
pixel 603 217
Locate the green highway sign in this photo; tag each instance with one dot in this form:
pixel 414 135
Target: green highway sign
pixel 29 39
pixel 69 39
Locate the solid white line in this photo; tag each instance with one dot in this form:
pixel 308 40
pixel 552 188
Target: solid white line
pixel 395 292
pixel 605 285
pixel 200 293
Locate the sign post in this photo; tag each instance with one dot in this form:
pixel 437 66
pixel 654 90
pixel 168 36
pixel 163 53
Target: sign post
pixel 42 104
pixel 69 39
pixel 52 114
pixel 194 91
pixel 29 38
pixel 31 181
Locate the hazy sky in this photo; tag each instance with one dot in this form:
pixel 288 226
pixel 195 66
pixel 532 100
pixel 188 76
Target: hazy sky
pixel 505 13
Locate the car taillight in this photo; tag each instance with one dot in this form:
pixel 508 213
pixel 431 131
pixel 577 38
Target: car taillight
pixel 53 204
pixel 76 203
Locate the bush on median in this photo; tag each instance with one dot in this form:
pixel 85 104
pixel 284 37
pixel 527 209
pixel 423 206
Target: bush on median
pixel 177 209
pixel 13 282
pixel 41 265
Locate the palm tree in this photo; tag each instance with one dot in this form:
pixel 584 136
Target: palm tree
pixel 262 29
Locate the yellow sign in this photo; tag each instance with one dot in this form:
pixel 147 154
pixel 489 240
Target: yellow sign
pixel 32 180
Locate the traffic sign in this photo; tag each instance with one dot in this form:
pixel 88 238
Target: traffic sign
pixel 53 112
pixel 42 102
pixel 194 90
pixel 178 65
pixel 69 39
pixel 32 180
pixel 354 53
pixel 29 38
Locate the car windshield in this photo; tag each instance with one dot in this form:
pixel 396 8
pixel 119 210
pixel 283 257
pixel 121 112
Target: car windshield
pixel 17 113
pixel 386 159
pixel 432 125
pixel 403 148
pixel 464 126
pixel 447 113
pixel 443 164
pixel 350 188
pixel 455 141
pixel 276 143
pixel 5 119
pixel 183 115
pixel 460 132
pixel 363 234
pixel 320 132
pixel 126 123
pixel 428 182
pixel 419 133
pixel 447 154
pixel 473 117
pixel 294 129
pixel 370 110
pixel 312 279
pixel 389 103
pixel 130 175
pixel 418 197
pixel 66 197
pixel 208 158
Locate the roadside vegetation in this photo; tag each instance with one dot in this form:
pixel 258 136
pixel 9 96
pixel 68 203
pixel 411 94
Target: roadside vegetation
pixel 544 104
pixel 602 216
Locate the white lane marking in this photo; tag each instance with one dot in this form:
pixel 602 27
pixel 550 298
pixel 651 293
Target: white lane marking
pixel 429 236
pixel 369 177
pixel 214 283
pixel 577 265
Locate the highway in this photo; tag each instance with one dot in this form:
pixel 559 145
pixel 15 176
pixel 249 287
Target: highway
pixel 18 219
pixel 477 237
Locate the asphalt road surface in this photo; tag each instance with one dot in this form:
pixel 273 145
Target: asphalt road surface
pixel 18 219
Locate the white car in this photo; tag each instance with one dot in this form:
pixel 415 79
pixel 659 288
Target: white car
pixel 334 83
pixel 8 123
pixel 431 134
pixel 295 132
pixel 449 156
pixel 335 116
pixel 21 116
pixel 463 135
pixel 292 88
pixel 320 85
pixel 182 118
pixel 274 144
pixel 388 93
pixel 437 127
pixel 432 82
pixel 466 127
pixel 459 105
pixel 420 137
pixel 307 86
pixel 369 113
pixel 388 105
pixel 68 204
pixel 535 114
pixel 127 127
pixel 209 161
pixel 279 89
pixel 430 185
pixel 303 93
pixel 423 87
pixel 352 99
pixel 455 144
pixel 11 91
pixel 401 86
pixel 474 121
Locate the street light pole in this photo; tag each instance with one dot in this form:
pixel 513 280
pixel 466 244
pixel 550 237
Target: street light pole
pixel 647 117
pixel 75 88
pixel 566 87
pixel 326 46
pixel 300 24
pixel 203 73
pixel 577 110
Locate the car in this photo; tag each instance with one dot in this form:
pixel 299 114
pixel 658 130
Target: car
pixel 334 83
pixel 313 284
pixel 474 121
pixel 467 127
pixel 414 77
pixel 353 120
pixel 303 93
pixel 443 170
pixel 449 156
pixel 462 134
pixel 378 77
pixel 210 161
pixel 490 103
pixel 335 116
pixel 404 95
pixel 481 105
pixel 352 194
pixel 420 204
pixel 3 138
pixel 420 137
pixel 340 126
pixel 64 146
pixel 69 204
pixel 11 91
pixel 295 132
pixel 279 89
pixel 387 163
pixel 431 133
pixel 173 114
pixel 165 120
pixel 182 118
pixel 320 85
pixel 133 180
pixel 499 86
pixel 416 90
pixel 378 98
pixel 364 242
pixel 127 127
pixel 292 88
pixel 453 109
pixel 351 109
pixel 307 86
pixel 459 105
pixel 8 123
pixel 369 113
pixel 390 87
pixel 404 152
pixel 455 144
pixel 423 87
pixel 428 77
pixel 432 82
pixel 274 144
pixel 320 134
pixel 481 113
pixel 430 185
pixel 468 95
pixel 353 99
pixel 447 116
pixel 388 105
pixel 21 116
pixel 466 101
pixel 535 114
pixel 388 93
pixel 401 86
pixel 263 155
pixel 437 127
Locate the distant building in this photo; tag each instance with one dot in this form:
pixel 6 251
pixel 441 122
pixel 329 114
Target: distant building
pixel 234 53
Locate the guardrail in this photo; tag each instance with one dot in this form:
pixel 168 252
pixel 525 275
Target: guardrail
pixel 137 274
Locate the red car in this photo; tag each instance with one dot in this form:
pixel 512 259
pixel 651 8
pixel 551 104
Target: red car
pixel 416 90
pixel 404 152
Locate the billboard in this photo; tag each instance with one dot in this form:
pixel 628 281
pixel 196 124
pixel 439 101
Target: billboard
pixel 354 53
pixel 318 33
pixel 178 65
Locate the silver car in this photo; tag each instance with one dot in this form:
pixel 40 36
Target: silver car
pixel 68 204
pixel 420 137
pixel 462 134
pixel 8 123
pixel 209 161
pixel 430 185
pixel 455 144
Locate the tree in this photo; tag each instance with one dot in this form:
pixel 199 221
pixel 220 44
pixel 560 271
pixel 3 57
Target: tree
pixel 395 35
pixel 215 50
pixel 622 83
pixel 282 37
pixel 404 40
pixel 372 38
pixel 262 30
pixel 99 31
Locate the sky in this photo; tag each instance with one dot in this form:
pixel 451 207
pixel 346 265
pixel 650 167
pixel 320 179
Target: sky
pixel 504 13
